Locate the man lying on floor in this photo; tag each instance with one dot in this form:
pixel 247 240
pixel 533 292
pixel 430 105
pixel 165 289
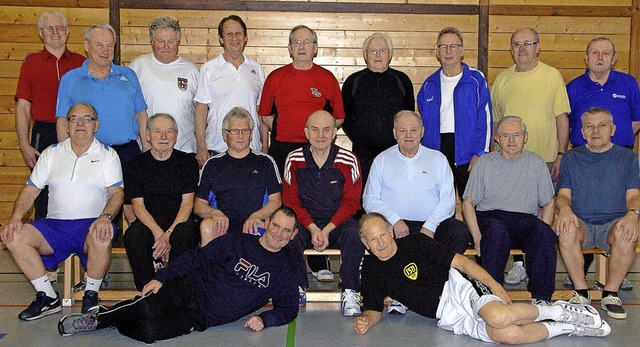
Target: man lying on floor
pixel 231 277
pixel 435 282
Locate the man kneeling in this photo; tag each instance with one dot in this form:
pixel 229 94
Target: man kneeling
pixel 435 282
pixel 217 284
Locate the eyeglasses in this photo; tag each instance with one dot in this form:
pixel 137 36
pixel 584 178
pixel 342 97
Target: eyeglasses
pixel 50 28
pixel 299 43
pixel 514 136
pixel 443 47
pixel 525 44
pixel 77 119
pixel 245 131
pixel 376 51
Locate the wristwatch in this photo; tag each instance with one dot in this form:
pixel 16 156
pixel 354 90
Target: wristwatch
pixel 635 211
pixel 109 216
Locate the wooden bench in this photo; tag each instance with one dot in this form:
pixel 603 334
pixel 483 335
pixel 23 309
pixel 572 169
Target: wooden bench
pixel 72 275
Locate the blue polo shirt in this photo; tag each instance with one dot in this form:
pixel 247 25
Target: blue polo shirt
pixel 118 99
pixel 620 95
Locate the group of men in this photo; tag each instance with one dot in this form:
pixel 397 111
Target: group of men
pixel 403 171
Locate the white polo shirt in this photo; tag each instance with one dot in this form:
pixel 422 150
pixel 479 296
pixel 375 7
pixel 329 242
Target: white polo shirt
pixel 223 87
pixel 77 185
pixel 170 88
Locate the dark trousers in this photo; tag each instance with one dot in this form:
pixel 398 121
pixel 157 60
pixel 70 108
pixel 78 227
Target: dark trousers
pixel 366 157
pixel 138 240
pixel 43 135
pixel 460 172
pixel 280 150
pixel 502 231
pixel 451 233
pixel 345 238
pixel 170 313
pixel 126 151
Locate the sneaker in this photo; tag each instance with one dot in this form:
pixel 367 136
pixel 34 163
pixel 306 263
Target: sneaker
pixel 303 296
pixel 350 303
pixel 578 299
pixel 41 306
pixel 613 306
pixel 323 275
pixel 567 283
pixel 89 300
pixel 157 265
pixel 626 285
pixel 78 322
pixel 541 302
pixel 582 315
pixel 516 274
pixel 80 286
pixel 396 307
pixel 602 331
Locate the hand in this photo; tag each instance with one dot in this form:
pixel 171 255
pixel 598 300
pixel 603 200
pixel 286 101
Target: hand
pixel 220 222
pixel 30 155
pixel 476 244
pixel 101 229
pixel 628 226
pixel 566 217
pixel 472 163
pixel 361 325
pixel 152 287
pixel 265 148
pixel 252 224
pixel 427 232
pixel 501 293
pixel 13 227
pixel 202 155
pixel 555 168
pixel 254 323
pixel 400 229
pixel 162 247
pixel 318 238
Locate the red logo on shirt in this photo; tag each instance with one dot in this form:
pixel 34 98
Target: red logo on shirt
pixel 182 83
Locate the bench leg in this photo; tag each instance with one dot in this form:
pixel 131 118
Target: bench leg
pixel 67 299
pixel 601 267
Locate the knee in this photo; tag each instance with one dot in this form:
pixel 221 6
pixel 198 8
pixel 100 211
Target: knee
pixel 206 228
pixel 498 317
pixel 136 235
pixel 511 335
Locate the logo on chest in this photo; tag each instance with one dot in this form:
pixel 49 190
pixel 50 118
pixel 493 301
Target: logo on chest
pixel 249 273
pixel 411 271
pixel 316 92
pixel 183 83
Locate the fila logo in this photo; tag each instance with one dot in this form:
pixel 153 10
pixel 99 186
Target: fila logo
pixel 248 272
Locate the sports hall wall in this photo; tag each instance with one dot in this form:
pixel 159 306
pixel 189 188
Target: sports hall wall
pixel 565 28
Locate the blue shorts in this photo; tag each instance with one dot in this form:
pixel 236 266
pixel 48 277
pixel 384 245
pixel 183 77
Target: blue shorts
pixel 65 236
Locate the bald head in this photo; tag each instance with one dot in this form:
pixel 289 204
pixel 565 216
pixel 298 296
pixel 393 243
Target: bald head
pixel 320 130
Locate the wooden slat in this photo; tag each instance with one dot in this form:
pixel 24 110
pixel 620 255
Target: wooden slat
pixel 29 34
pixel 58 3
pixel 9 192
pixel 554 24
pixel 10 69
pixel 563 42
pixel 8 86
pixel 11 157
pixel 555 59
pixel 601 3
pixel 75 16
pixel 7 104
pixel 575 11
pixel 14 175
pixel 17 51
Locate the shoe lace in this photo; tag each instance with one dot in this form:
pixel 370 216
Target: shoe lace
pixel 86 322
pixel 576 298
pixel 571 315
pixel 584 331
pixel 351 299
pixel 612 300
pixel 515 271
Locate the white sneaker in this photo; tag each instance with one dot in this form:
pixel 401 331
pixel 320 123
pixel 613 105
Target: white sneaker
pixel 613 306
pixel 582 315
pixel 396 307
pixel 540 302
pixel 323 275
pixel 579 299
pixel 602 331
pixel 516 274
pixel 350 303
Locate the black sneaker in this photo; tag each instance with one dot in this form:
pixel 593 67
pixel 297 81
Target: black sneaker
pixel 78 322
pixel 89 300
pixel 41 306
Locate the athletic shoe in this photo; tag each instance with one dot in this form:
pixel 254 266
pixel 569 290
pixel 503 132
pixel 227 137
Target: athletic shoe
pixel 541 302
pixel 80 286
pixel 626 285
pixel 396 307
pixel 582 315
pixel 157 265
pixel 350 303
pixel 303 296
pixel 516 274
pixel 567 283
pixel 579 299
pixel 602 331
pixel 613 306
pixel 78 322
pixel 41 306
pixel 323 275
pixel 89 300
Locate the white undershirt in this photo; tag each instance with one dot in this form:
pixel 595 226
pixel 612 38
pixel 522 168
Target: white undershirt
pixel 447 119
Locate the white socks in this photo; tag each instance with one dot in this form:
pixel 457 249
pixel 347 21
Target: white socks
pixel 42 284
pixel 557 328
pixel 548 312
pixel 93 284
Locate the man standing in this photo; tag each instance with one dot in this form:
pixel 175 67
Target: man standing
pixel 37 90
pixel 160 185
pixel 455 107
pixel 220 283
pixel 230 80
pixel 322 183
pixel 372 97
pixel 239 188
pixel 112 89
pixel 85 183
pixel 168 81
pixel 501 204
pixel 437 283
pixel 598 204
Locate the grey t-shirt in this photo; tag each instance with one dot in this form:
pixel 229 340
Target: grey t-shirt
pixel 516 185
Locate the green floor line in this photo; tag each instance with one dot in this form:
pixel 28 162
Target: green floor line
pixel 291 334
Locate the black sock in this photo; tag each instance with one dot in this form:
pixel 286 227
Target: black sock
pixel 584 292
pixel 606 293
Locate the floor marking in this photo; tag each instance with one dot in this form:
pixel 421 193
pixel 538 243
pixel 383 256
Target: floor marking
pixel 291 334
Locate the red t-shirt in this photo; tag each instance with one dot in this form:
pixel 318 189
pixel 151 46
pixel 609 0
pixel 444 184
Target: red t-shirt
pixel 40 76
pixel 296 94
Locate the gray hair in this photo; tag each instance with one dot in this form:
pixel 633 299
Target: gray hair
pixel 237 113
pixel 164 22
pixel 450 30
pixel 406 112
pixel 373 215
pixel 536 36
pixel 601 38
pixel 82 103
pixel 46 14
pixel 301 26
pixel 596 110
pixel 88 34
pixel 161 115
pixel 386 39
pixel 512 119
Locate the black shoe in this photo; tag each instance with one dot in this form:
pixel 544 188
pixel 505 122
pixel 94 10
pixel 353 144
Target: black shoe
pixel 41 306
pixel 89 300
pixel 78 322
